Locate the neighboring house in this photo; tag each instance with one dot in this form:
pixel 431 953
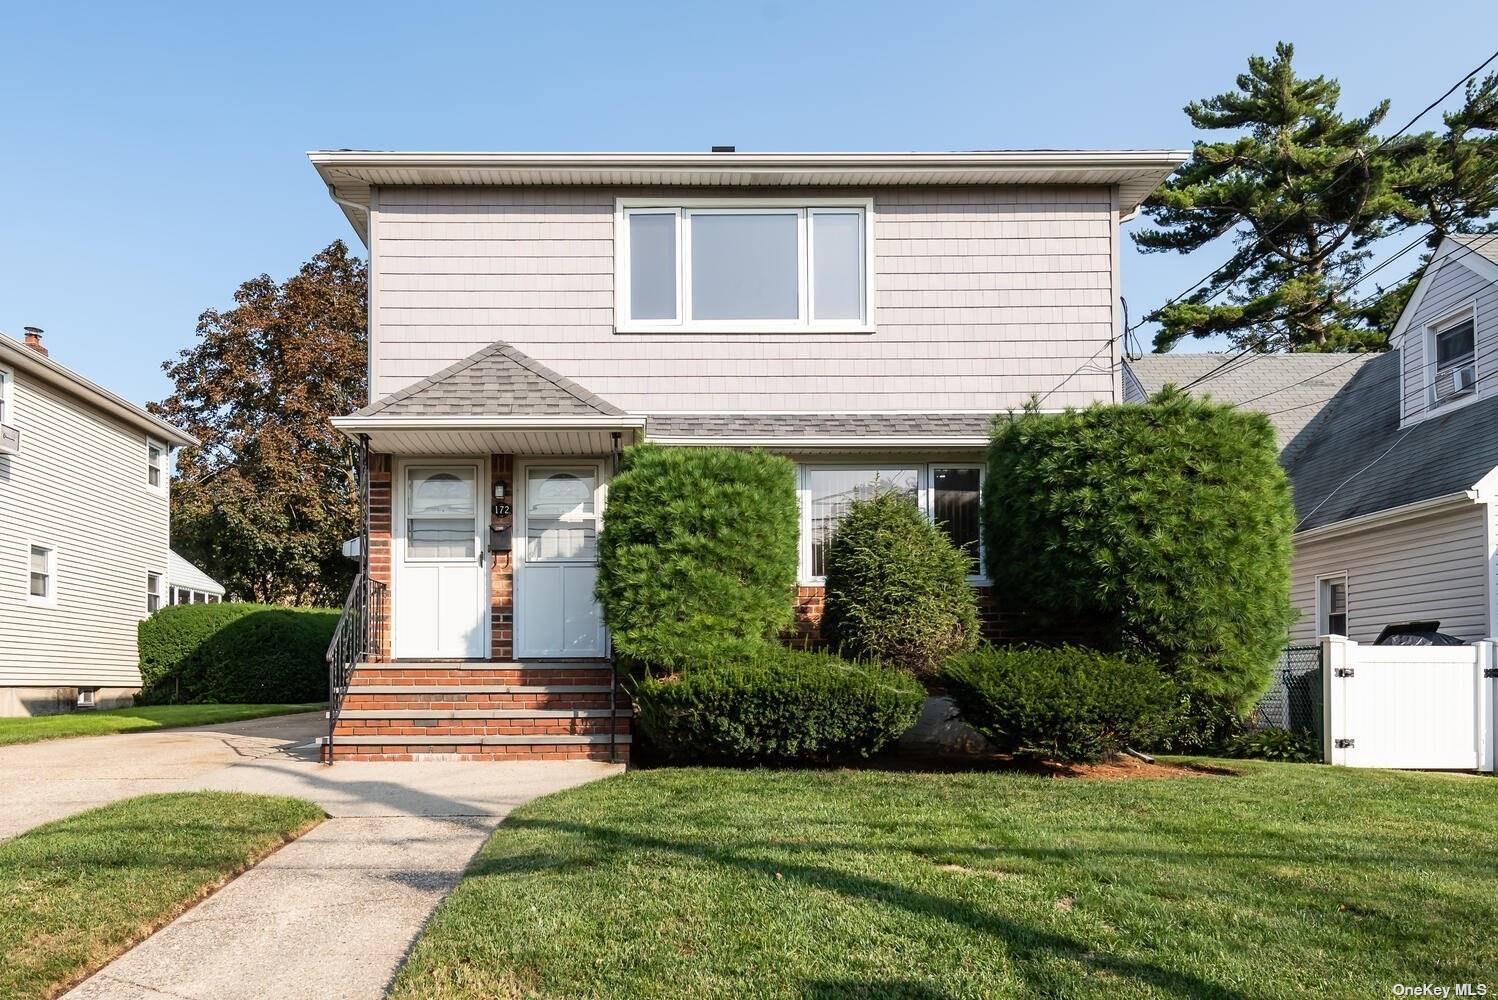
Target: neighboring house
pixel 1395 475
pixel 531 314
pixel 84 552
pixel 190 585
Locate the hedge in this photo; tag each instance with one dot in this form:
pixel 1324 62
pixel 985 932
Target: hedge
pixel 897 587
pixel 773 705
pixel 698 542
pixel 233 652
pixel 1066 703
pixel 1161 530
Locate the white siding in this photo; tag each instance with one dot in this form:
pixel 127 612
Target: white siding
pixel 1426 568
pixel 983 296
pixel 1454 287
pixel 79 484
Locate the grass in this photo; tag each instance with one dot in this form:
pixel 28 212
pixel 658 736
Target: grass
pixel 77 892
pixel 1282 881
pixel 132 720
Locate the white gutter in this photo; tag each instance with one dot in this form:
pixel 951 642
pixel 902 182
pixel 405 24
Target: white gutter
pixel 27 360
pixel 1381 518
pixel 471 423
pixel 804 443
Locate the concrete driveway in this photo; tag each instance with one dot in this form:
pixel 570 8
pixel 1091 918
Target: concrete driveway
pixel 330 915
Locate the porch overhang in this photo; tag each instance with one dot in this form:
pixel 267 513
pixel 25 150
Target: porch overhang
pixel 493 435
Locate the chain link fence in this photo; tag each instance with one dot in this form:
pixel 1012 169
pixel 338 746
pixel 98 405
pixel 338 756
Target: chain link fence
pixel 1293 700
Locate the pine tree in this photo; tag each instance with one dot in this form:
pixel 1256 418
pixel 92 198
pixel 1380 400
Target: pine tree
pixel 1305 192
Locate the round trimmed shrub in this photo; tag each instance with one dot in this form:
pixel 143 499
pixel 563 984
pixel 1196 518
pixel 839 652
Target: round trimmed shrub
pixel 1160 530
pixel 231 652
pixel 897 587
pixel 697 542
pixel 1066 703
pixel 772 705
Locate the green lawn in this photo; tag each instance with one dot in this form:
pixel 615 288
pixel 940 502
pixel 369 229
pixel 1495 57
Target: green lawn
pixel 77 892
pixel 131 720
pixel 1282 881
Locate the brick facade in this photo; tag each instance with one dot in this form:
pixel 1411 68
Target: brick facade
pixel 380 473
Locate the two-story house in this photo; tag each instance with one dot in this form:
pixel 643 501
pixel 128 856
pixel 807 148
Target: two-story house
pixel 532 314
pixel 84 533
pixel 1393 458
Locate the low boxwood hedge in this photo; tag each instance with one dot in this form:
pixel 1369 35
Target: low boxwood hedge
pixel 766 704
pixel 234 652
pixel 1065 703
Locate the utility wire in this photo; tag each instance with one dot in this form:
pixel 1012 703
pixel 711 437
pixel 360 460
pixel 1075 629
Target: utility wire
pixel 1359 158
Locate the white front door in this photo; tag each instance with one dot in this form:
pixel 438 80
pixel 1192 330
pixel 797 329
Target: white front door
pixel 557 561
pixel 441 582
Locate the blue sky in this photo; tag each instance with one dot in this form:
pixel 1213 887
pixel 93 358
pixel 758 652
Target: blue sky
pixel 151 156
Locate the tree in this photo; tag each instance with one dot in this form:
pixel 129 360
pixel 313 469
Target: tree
pixel 1305 192
pixel 267 499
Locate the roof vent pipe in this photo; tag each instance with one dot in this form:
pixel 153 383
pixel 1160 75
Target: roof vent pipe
pixel 34 339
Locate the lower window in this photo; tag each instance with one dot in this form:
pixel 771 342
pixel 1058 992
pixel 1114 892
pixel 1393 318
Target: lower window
pixel 947 492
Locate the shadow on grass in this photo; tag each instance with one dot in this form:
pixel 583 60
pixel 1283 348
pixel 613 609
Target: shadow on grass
pixel 873 989
pixel 1025 943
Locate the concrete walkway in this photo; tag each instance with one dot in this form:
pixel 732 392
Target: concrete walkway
pixel 330 915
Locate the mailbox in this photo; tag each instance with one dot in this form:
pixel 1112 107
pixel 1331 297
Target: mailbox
pixel 499 539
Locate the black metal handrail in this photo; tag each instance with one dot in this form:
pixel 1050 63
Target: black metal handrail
pixel 358 638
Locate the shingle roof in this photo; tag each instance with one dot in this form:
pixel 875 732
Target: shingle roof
pixel 497 381
pixel 826 425
pixel 1356 460
pixel 1485 244
pixel 1291 388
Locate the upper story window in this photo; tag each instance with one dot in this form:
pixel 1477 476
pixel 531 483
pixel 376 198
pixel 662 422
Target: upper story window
pixel 1451 347
pixel 156 465
pixel 743 266
pixel 153 593
pixel 7 394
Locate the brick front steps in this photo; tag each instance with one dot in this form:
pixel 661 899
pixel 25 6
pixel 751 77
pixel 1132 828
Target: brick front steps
pixel 481 711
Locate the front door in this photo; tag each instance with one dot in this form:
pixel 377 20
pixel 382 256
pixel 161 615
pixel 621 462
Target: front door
pixel 441 584
pixel 557 561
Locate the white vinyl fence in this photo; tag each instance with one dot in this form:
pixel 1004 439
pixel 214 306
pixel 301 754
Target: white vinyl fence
pixel 1423 707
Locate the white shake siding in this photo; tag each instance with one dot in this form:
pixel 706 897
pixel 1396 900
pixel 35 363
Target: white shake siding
pixel 78 485
pixel 1432 567
pixel 1454 287
pixel 983 296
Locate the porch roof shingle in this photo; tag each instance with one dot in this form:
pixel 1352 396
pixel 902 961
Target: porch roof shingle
pixel 497 381
pixel 815 425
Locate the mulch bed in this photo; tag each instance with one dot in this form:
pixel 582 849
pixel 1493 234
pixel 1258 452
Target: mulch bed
pixel 1120 768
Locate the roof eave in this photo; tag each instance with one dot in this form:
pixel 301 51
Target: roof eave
pixel 22 357
pixel 1391 515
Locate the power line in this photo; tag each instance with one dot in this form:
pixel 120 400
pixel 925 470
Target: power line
pixel 1463 251
pixel 1361 157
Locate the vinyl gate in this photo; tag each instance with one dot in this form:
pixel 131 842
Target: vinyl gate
pixel 1422 707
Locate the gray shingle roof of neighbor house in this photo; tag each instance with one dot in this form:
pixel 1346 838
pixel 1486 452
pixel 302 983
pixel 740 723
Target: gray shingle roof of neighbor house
pixel 1292 389
pixel 1485 244
pixel 769 426
pixel 496 381
pixel 1356 460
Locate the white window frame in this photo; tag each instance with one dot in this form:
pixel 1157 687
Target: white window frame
pixel 1323 608
pixel 683 209
pixel 925 500
pixel 7 396
pixel 154 581
pixel 50 600
pixel 1434 329
pixel 160 487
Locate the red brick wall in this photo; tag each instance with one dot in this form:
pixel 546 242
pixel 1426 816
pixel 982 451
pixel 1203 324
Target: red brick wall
pixel 379 545
pixel 501 566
